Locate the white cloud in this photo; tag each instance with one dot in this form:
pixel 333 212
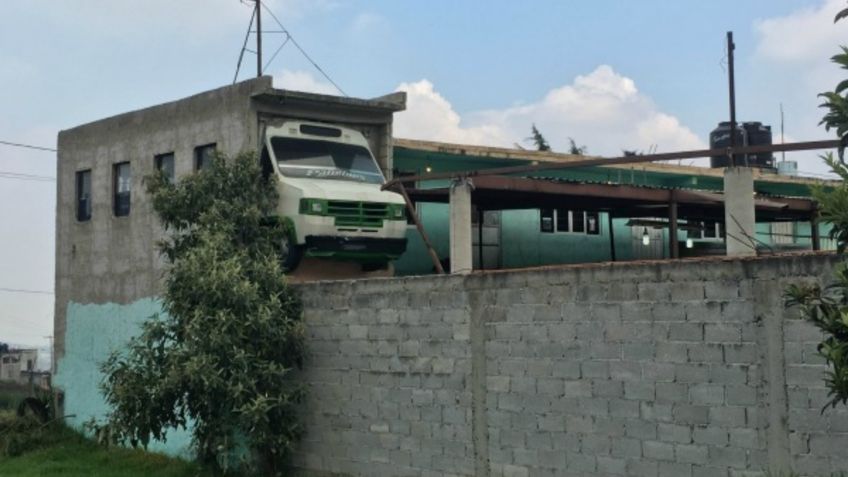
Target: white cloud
pixel 603 110
pixel 303 81
pixel 804 36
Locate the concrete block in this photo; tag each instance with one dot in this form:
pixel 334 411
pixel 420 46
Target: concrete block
pixel 636 311
pixel 658 371
pixel 741 395
pixel 611 465
pixel 723 332
pixel 638 351
pixel 706 353
pixel 745 353
pixel 654 291
pixel 721 290
pixel 626 447
pixel 622 408
pixel 706 394
pixel 729 374
pixel 673 469
pixel 625 370
pixel 710 435
pixel 690 414
pixel 688 291
pixel 691 453
pixel 607 388
pixel 580 464
pixel 640 429
pixel 595 369
pixel 746 439
pixel 642 468
pixel 656 450
pixel 686 331
pixel 594 444
pixel 582 388
pixel 671 352
pixel 672 393
pixel 639 390
pixel 727 416
pixel 674 433
pixel 710 471
pixel 704 312
pixel 729 457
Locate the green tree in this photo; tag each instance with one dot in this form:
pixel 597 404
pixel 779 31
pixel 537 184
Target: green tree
pixel 219 359
pixel 4 348
pixel 573 148
pixel 539 140
pixel 827 307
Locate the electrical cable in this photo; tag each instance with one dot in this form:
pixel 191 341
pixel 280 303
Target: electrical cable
pixel 27 146
pixel 288 37
pixel 23 290
pixel 25 177
pixel 244 46
pixel 306 55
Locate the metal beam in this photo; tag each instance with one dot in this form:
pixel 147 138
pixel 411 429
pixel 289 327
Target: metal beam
pixel 669 156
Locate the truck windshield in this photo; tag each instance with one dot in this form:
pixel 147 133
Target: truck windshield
pixel 325 160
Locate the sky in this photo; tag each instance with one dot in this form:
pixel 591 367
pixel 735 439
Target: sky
pixel 612 75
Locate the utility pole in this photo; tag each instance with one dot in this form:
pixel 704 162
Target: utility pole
pixel 783 153
pixel 730 47
pixel 258 38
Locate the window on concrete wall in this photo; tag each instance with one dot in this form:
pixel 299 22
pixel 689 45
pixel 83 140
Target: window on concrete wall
pixel 165 164
pixel 204 155
pixel 569 221
pixel 121 185
pixel 83 194
pixel 546 220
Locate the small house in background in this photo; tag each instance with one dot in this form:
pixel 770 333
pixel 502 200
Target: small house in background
pixel 16 365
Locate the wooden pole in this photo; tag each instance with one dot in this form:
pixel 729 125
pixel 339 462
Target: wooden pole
pixel 674 246
pixel 410 207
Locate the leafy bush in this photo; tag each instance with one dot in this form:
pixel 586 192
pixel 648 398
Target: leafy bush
pixel 220 357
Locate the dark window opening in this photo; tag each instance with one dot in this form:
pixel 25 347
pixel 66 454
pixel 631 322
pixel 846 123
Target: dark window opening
pixel 122 185
pixel 709 229
pixel 320 131
pixel 578 221
pixel 204 155
pixel 593 223
pixel 562 220
pixel 546 220
pixel 165 164
pixel 83 195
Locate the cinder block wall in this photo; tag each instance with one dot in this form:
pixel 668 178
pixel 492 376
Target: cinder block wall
pixel 689 368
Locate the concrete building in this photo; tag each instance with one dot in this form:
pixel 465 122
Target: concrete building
pixel 400 365
pixel 16 364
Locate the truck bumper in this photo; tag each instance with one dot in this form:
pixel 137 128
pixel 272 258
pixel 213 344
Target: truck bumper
pixel 360 249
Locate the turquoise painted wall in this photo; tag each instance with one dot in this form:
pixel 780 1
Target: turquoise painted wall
pixel 93 332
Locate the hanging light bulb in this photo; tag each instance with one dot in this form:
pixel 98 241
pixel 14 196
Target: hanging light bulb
pixel 646 239
pixel 428 169
pixel 690 243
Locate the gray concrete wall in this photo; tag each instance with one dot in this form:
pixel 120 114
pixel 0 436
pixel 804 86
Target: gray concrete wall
pixel 689 368
pixel 112 259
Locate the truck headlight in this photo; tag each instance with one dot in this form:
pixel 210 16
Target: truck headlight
pixel 313 206
pixel 397 211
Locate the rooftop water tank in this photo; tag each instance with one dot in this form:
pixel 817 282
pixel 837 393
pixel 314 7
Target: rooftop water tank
pixel 720 139
pixel 787 168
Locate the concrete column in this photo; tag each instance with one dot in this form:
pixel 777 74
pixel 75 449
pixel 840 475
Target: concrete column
pixel 739 211
pixel 461 251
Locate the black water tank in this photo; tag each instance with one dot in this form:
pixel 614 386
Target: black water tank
pixel 720 139
pixel 759 135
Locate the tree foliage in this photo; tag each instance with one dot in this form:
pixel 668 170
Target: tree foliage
pixel 573 148
pixel 539 140
pixel 827 307
pixel 219 359
pixel 4 348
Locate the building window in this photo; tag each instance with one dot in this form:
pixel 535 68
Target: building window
pixel 121 185
pixel 569 221
pixel 165 164
pixel 203 156
pixel 84 195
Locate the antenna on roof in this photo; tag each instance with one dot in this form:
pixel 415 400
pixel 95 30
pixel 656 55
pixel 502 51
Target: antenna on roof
pixel 258 13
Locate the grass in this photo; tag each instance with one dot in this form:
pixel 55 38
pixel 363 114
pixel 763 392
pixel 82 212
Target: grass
pixel 70 454
pixel 30 449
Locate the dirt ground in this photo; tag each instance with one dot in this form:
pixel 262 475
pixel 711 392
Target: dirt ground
pixel 316 269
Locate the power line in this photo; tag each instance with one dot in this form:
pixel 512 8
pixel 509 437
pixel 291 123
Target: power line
pixel 27 146
pixel 24 290
pixel 302 51
pixel 244 46
pixel 25 177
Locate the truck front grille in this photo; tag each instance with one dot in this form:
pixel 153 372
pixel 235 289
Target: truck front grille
pixel 357 214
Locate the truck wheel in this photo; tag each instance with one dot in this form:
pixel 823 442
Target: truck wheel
pixel 290 254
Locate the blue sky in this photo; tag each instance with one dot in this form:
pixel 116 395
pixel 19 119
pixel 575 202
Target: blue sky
pixel 611 74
